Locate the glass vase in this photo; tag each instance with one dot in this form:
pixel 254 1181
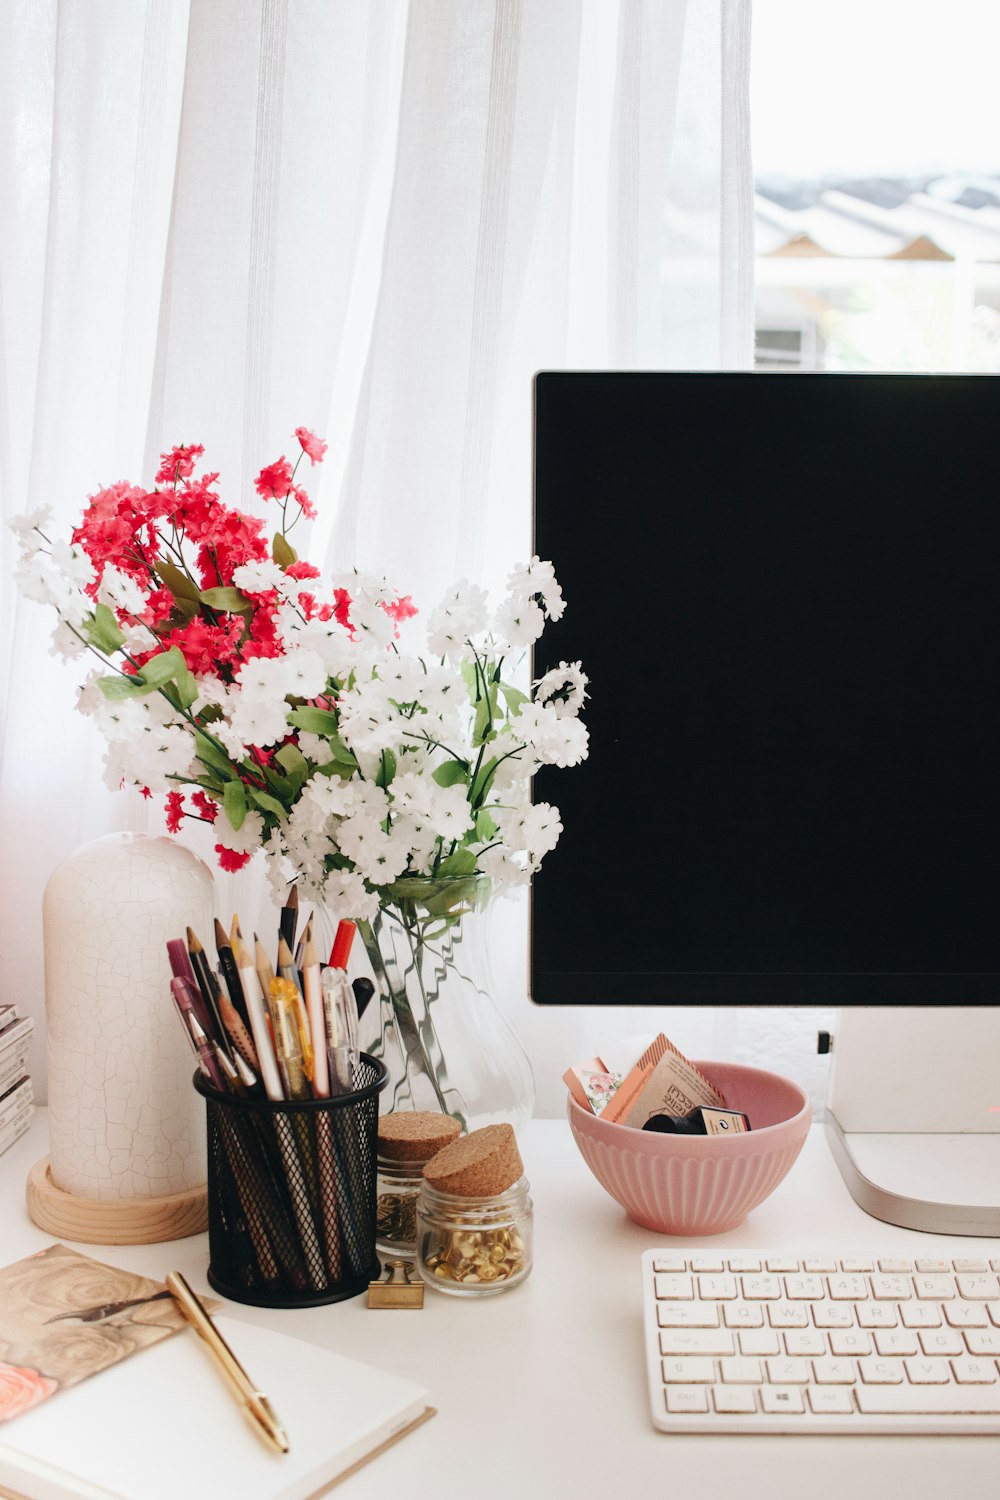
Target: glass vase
pixel 433 1020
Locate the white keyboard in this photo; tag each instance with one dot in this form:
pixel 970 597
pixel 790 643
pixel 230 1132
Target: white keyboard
pixel 750 1341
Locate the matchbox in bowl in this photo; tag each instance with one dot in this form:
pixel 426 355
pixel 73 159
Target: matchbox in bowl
pixel 697 1185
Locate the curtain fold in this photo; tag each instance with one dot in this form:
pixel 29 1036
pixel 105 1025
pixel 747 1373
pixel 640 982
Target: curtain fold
pixel 226 218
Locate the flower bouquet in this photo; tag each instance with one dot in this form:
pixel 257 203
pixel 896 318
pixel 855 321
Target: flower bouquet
pixel 392 783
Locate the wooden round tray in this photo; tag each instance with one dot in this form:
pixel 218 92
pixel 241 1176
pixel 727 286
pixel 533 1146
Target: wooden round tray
pixel 138 1221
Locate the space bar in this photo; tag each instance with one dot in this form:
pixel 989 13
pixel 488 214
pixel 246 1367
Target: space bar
pixel 881 1400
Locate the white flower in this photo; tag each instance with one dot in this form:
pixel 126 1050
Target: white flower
pixel 242 840
pixel 315 748
pixel 258 577
pixel 520 621
pixel 297 674
pixel 369 720
pixel 120 591
pixel 345 894
pixel 24 527
pixel 448 812
pixel 373 853
pixel 564 687
pixel 452 623
pixel 66 642
pixel 555 740
pixel 537 577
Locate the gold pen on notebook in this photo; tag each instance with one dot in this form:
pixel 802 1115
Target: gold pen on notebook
pixel 256 1405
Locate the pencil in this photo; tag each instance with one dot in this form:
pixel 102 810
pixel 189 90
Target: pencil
pixel 209 986
pixel 289 919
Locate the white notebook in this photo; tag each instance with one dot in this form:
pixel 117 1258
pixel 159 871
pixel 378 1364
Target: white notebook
pixel 162 1425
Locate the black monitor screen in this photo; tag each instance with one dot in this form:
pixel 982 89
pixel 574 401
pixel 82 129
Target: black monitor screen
pixel 784 591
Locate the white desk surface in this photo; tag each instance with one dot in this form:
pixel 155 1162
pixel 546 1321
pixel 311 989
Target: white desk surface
pixel 541 1392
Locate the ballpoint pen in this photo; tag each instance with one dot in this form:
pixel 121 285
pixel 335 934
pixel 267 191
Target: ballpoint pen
pixel 255 1404
pixel 288 971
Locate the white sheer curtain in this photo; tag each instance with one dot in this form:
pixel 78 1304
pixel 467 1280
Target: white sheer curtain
pixel 224 218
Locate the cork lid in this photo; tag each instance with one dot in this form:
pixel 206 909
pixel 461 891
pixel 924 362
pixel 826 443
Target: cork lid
pixel 480 1164
pixel 415 1134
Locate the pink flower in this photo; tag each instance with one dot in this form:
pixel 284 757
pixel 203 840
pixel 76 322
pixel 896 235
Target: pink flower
pixel 174 810
pixel 401 609
pixel 312 446
pixel 299 494
pixel 275 479
pixel 22 1388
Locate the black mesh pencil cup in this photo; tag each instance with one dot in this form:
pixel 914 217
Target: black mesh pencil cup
pixel 291 1193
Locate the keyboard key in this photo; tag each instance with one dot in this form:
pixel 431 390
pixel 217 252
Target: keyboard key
pixel 934 1288
pixel 928 1371
pixel 687 1315
pixel 975 1371
pixel 781 1398
pixel 809 1288
pixel 805 1342
pixel 688 1371
pixel 672 1287
pixel 983 1340
pixel 740 1371
pixel 881 1371
pixel 738 1399
pixel 743 1314
pixel 893 1263
pixel 788 1314
pixel 741 1263
pixel 831 1400
pixel 763 1286
pixel 856 1263
pixel 695 1341
pixel 760 1341
pixel 847 1288
pixel 789 1371
pixel 707 1263
pixel 717 1288
pixel 834 1371
pixel 670 1263
pixel 985 1288
pixel 943 1341
pixel 782 1263
pixel 877 1315
pixel 833 1315
pixel 820 1263
pixel 890 1288
pixel 920 1315
pixel 897 1344
pixel 966 1315
pixel 850 1342
pixel 687 1398
pixel 927 1400
pixel 969 1263
pixel 934 1266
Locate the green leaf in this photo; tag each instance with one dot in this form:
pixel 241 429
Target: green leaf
pixel 235 802
pixel 387 769
pixel 483 780
pixel 515 699
pixel 115 689
pixel 314 720
pixel 462 862
pixel 485 826
pixel 292 760
pixel 102 630
pixel 228 599
pixel 282 551
pixel 163 667
pixel 187 688
pixel 470 673
pixel 178 582
pixel 268 804
pixel 213 755
pixel 451 772
pixel 183 612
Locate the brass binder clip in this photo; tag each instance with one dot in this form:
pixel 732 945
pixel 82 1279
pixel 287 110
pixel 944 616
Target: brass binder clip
pixel 397 1288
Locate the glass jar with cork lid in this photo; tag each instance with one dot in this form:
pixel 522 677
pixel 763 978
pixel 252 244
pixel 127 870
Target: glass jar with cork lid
pixel 407 1140
pixel 474 1216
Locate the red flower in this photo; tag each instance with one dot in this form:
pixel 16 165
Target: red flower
pixel 174 809
pixel 206 806
pixel 178 463
pixel 305 504
pixel 302 570
pixel 275 479
pixel 401 609
pixel 229 860
pixel 312 446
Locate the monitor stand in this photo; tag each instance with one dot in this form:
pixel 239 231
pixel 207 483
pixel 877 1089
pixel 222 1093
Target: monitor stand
pixel 913 1115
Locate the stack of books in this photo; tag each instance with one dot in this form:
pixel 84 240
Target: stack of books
pixel 17 1092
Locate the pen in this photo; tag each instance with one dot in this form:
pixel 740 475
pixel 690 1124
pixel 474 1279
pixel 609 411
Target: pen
pixel 254 1403
pixel 340 1017
pixel 257 1012
pixel 314 1007
pixel 342 941
pixel 288 971
pixel 287 1042
pixel 209 986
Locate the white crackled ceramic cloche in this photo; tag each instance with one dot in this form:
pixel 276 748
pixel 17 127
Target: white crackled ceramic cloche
pixel 124 1119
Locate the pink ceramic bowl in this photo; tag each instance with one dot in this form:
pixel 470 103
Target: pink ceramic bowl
pixel 690 1184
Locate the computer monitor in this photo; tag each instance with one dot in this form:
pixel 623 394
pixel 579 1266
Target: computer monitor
pixel 784 591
